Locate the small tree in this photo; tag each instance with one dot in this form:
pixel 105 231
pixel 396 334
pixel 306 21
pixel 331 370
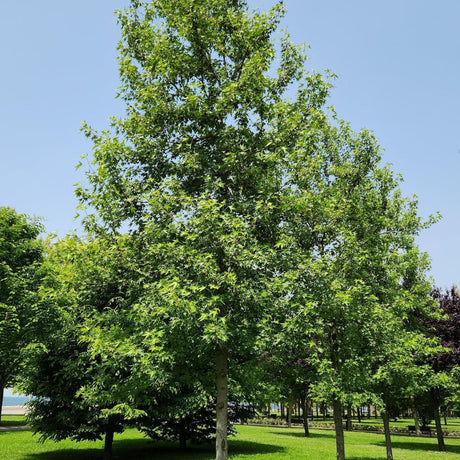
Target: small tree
pixel 24 316
pixel 90 380
pixel 445 364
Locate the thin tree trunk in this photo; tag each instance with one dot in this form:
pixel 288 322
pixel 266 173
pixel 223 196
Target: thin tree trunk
pixel 369 411
pixel 289 414
pixel 445 417
pixel 303 402
pixel 221 406
pixel 437 419
pixel 2 389
pixel 349 424
pixel 359 414
pixel 108 443
pixel 282 410
pixel 416 419
pixel 386 429
pixel 317 411
pixel 182 435
pixel 339 439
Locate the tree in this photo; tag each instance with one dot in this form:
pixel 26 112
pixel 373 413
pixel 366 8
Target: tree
pixel 198 167
pixel 24 317
pixel 90 380
pixel 445 364
pixel 359 277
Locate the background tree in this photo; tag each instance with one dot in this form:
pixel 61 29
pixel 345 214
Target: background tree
pixel 24 316
pixel 358 248
pixel 91 379
pixel 445 363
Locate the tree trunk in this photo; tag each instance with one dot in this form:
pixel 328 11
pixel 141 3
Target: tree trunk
pixel 349 424
pixel 221 406
pixel 386 429
pixel 339 439
pixel 358 410
pixel 289 413
pixel 108 443
pixel 437 419
pixel 182 435
pixel 445 417
pixel 303 402
pixel 282 410
pixel 1 401
pixel 369 411
pixel 416 419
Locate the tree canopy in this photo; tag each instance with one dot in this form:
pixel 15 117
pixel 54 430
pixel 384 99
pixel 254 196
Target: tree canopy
pixel 24 316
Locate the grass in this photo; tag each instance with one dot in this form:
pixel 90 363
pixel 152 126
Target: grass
pixel 257 443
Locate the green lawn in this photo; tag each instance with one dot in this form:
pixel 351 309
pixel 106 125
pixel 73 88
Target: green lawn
pixel 264 443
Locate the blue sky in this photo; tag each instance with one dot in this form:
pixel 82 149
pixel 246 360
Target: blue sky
pixel 398 73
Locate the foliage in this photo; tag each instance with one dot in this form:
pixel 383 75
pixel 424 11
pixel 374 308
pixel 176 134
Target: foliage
pixel 84 389
pixel 25 316
pixel 197 427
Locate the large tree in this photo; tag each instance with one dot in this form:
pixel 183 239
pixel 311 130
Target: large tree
pixel 24 315
pixel 198 167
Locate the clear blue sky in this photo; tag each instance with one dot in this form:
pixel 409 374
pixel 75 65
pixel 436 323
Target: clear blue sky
pixel 398 67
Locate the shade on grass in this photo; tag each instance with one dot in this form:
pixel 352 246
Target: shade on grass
pixel 264 443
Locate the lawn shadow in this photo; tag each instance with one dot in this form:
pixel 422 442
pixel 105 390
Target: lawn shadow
pixel 365 458
pixel 8 423
pixel 145 449
pixel 302 435
pixel 410 445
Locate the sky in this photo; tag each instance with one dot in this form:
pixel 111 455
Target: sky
pixel 398 71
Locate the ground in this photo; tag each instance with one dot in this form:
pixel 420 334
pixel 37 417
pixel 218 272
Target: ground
pixel 252 442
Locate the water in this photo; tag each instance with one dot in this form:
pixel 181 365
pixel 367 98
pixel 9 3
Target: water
pixel 14 400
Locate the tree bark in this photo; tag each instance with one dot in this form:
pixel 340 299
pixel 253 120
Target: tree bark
pixel 289 414
pixel 108 443
pixel 182 435
pixel 416 419
pixel 2 389
pixel 437 419
pixel 303 401
pixel 386 429
pixel 221 407
pixel 358 411
pixel 369 411
pixel 339 439
pixel 349 424
pixel 282 410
